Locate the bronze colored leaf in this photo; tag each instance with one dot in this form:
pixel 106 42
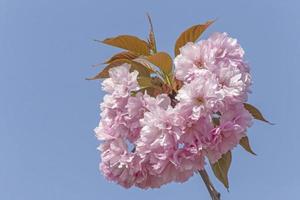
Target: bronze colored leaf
pixel 163 61
pixel 143 71
pixel 190 35
pixel 244 142
pixel 221 168
pixel 151 39
pixel 123 55
pixel 130 43
pixel 255 112
pixel 152 85
pixel 150 91
pixel 146 82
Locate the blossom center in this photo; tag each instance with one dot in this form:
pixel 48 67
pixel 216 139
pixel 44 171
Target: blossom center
pixel 199 63
pixel 200 100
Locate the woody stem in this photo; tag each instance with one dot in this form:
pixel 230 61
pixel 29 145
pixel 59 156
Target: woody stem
pixel 214 194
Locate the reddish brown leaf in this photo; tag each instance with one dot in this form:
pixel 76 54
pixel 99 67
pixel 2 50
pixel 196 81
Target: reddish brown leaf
pixel 221 168
pixel 143 71
pixel 190 35
pixel 123 55
pixel 255 112
pixel 244 142
pixel 151 39
pixel 130 43
pixel 163 61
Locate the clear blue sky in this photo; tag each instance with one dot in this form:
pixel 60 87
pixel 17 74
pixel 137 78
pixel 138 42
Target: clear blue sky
pixel 48 111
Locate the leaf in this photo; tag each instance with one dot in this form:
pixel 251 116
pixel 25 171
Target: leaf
pixel 123 55
pixel 153 85
pixel 244 142
pixel 163 61
pixel 255 112
pixel 130 43
pixel 146 82
pixel 143 71
pixel 151 39
pixel 221 168
pixel 190 35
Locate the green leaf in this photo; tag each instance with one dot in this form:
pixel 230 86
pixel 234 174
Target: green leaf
pixel 163 61
pixel 255 113
pixel 130 43
pixel 221 168
pixel 143 71
pixel 244 142
pixel 123 55
pixel 190 35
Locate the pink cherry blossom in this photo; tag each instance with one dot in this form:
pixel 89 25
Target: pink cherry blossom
pixel 160 142
pixel 234 122
pixel 221 55
pixel 151 141
pixel 118 164
pixel 121 81
pixel 201 94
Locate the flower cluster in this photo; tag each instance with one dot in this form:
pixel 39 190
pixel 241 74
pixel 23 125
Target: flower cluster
pixel 150 140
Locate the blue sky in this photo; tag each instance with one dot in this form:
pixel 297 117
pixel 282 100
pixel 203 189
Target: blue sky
pixel 48 111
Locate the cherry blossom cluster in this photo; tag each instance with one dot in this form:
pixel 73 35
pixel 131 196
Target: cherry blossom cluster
pixel 148 141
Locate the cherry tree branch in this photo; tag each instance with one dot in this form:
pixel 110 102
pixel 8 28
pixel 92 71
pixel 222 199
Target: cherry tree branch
pixel 214 194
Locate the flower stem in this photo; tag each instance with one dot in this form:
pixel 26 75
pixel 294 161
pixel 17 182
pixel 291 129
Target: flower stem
pixel 214 194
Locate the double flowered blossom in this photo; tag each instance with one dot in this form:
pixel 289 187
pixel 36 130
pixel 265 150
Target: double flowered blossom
pixel 222 56
pixel 168 158
pixel 116 127
pixel 148 141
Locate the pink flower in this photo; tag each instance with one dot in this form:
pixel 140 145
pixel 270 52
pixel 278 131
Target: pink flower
pixel 120 126
pixel 234 84
pixel 234 122
pixel 169 160
pixel 226 51
pixel 222 56
pixel 201 94
pixel 118 164
pixel 136 107
pixel 150 141
pixel 121 81
pixel 115 120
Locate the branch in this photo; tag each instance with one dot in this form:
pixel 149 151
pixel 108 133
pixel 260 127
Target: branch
pixel 214 194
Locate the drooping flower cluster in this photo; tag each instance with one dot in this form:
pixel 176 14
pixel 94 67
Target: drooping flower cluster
pixel 149 141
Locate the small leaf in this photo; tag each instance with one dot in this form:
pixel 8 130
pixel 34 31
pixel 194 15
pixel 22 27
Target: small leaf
pixel 152 85
pixel 143 71
pixel 163 61
pixel 255 112
pixel 130 43
pixel 190 35
pixel 146 82
pixel 151 39
pixel 244 142
pixel 123 55
pixel 153 92
pixel 221 168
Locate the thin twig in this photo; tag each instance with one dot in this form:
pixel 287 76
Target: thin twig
pixel 214 194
